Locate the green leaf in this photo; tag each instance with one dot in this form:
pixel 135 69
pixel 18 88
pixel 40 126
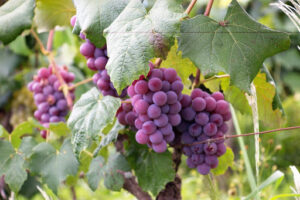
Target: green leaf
pixel 54 166
pixel 51 13
pixel 26 147
pixel 94 16
pixel 291 79
pixel 11 165
pixel 3 132
pixel 90 115
pixel 111 172
pixel 95 172
pixel 60 129
pixel 225 161
pixel 153 170
pixel 19 46
pixel 136 36
pixel 23 128
pixel 15 16
pixel 238 47
pixel 110 137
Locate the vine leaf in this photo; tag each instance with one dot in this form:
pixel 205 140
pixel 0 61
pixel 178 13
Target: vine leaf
pixel 94 16
pixel 54 166
pixel 60 129
pixel 153 170
pixel 110 136
pixel 51 13
pixel 270 110
pixel 237 46
pixel 11 165
pixel 15 17
pixel 137 35
pixel 111 172
pixel 225 161
pixel 90 116
pixel 23 128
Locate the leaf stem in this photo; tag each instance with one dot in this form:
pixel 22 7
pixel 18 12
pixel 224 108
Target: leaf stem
pixel 243 135
pixel 50 40
pixel 80 83
pixel 126 101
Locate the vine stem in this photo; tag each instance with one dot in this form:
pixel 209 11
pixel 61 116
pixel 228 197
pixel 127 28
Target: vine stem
pixel 126 101
pixel 80 83
pixel 243 135
pixel 158 61
pixel 47 52
pixel 206 13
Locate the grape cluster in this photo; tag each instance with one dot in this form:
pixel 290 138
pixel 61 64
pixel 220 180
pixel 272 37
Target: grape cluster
pixel 155 100
pixel 96 61
pixel 203 117
pixel 50 101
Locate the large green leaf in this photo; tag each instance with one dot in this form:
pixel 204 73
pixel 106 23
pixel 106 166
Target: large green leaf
pixel 111 172
pixel 11 165
pixel 51 13
pixel 136 36
pixel 60 129
pixel 15 16
pixel 94 16
pixel 237 46
pixel 90 115
pixel 153 170
pixel 54 166
pixel 23 128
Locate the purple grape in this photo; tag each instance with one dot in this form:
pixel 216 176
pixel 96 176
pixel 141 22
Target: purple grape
pixel 53 111
pixel 131 91
pixel 87 49
pixel 195 130
pixel 159 98
pixel 138 123
pixel 45 117
pixel 221 149
pixel 126 107
pixel 187 151
pixel 177 86
pixel 130 118
pixel 156 73
pixel 175 108
pixel 218 96
pixel 160 148
pixel 91 64
pixel 54 119
pixel 224 128
pixel 197 148
pixel 161 121
pixel 186 101
pixel 166 86
pixel 98 53
pixel 141 137
pixel 144 118
pixel 44 73
pixel 202 118
pixel 141 106
pixel 190 163
pixel 100 63
pixel 39 98
pixel 196 93
pixel 148 97
pixel 170 74
pixel 149 127
pixel 141 87
pixel 154 111
pixel 186 138
pixel 174 119
pixel 62 104
pixel 166 130
pixel 197 159
pixel 222 107
pixel 210 104
pixel 210 149
pixel 210 129
pixel 171 97
pixel 212 161
pixel 169 138
pixel 165 109
pixel 203 169
pixel 227 116
pixel 155 84
pixel 217 119
pixel 188 114
pixel 198 104
pixel 156 137
pixel 43 107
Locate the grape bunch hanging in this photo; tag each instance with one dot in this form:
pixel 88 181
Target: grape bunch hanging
pixel 96 61
pixel 204 117
pixel 51 103
pixel 154 109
